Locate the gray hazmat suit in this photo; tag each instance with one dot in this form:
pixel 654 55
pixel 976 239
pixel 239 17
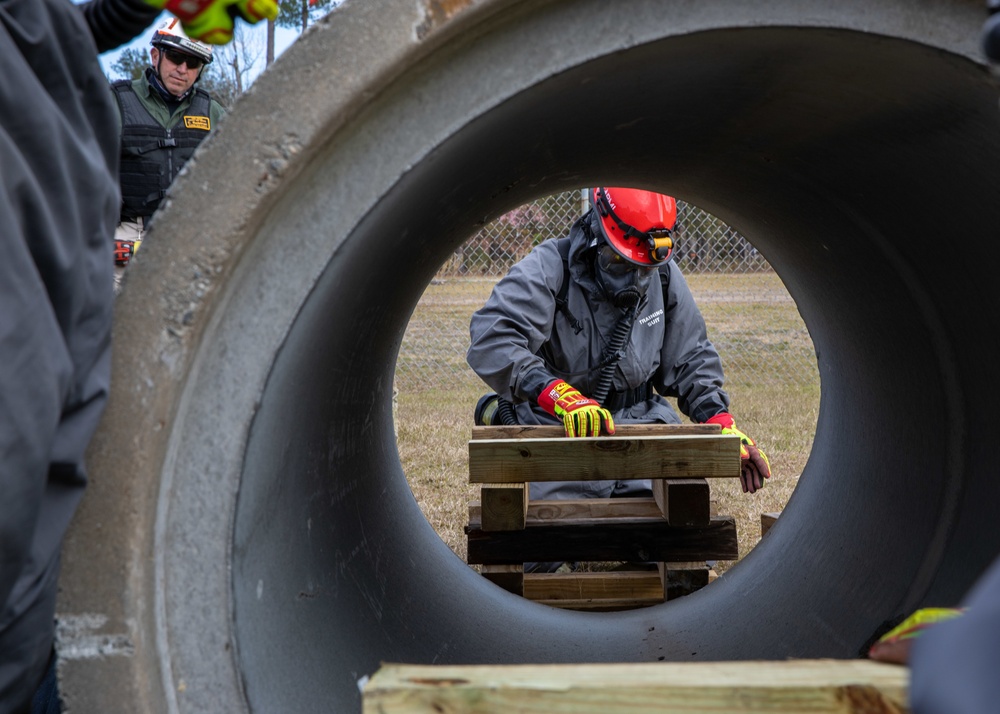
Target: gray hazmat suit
pixel 521 342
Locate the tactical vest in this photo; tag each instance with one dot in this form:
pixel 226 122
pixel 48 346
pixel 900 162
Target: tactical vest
pixel 151 155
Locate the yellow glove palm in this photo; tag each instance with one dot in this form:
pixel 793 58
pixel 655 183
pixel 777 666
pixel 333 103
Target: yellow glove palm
pixel 212 20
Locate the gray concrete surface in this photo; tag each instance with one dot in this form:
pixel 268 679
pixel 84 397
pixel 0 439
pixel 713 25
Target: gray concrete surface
pixel 249 542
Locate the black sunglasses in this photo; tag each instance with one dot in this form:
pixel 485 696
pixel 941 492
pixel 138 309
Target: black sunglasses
pixel 179 58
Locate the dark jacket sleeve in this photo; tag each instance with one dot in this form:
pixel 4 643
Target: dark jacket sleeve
pixel 508 331
pixel 58 207
pixel 115 22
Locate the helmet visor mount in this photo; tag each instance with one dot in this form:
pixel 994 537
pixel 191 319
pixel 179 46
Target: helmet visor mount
pixel 649 247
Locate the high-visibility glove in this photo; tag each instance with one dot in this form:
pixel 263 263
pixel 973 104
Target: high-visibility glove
pixel 754 465
pixel 212 20
pixel 581 416
pixel 124 250
pixel 894 645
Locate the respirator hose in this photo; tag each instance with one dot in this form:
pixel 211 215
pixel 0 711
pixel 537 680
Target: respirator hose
pixel 619 337
pixel 505 410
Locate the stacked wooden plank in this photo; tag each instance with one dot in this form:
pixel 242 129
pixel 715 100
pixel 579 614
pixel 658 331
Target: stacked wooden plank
pixel 674 529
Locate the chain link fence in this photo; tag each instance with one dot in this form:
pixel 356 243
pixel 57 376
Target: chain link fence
pixel 751 317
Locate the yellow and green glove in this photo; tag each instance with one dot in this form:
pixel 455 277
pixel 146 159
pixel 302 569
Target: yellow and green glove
pixel 212 21
pixel 754 465
pixel 894 645
pixel 581 416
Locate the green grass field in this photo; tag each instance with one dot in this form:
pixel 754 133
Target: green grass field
pixel 771 377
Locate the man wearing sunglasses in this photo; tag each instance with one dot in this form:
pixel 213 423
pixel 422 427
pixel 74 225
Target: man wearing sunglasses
pixel 163 120
pixel 597 328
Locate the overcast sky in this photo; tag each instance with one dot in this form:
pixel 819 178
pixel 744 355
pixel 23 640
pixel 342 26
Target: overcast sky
pixel 283 38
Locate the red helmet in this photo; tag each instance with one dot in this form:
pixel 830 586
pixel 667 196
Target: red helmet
pixel 637 224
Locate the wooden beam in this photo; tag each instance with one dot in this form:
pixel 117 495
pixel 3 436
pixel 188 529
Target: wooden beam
pixel 504 506
pixel 508 577
pixel 628 584
pixel 577 511
pixel 525 431
pixel 680 579
pixel 683 502
pixel 766 521
pixel 602 604
pixel 633 541
pixel 829 686
pixel 604 457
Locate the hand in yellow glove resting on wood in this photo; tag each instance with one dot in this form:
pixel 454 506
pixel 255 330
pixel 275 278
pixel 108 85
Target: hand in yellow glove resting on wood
pixel 581 416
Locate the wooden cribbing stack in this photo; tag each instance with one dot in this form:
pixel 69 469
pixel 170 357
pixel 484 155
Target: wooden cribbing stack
pixel 674 529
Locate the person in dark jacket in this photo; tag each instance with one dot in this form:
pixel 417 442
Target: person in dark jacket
pixel 163 117
pixel 599 327
pixel 59 203
pixel 953 664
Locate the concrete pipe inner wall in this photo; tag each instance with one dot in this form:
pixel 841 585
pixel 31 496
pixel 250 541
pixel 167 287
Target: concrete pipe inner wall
pixel 249 542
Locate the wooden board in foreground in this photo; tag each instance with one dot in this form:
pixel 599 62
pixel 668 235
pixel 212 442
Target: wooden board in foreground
pixel 604 457
pixel 817 686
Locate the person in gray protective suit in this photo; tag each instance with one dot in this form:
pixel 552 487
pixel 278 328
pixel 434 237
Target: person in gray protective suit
pixel 599 327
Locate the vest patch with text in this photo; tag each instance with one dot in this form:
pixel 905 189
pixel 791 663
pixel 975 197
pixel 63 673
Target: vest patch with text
pixel 203 123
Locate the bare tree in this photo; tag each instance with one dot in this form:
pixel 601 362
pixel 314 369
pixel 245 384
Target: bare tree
pixel 270 43
pixel 232 71
pixel 301 13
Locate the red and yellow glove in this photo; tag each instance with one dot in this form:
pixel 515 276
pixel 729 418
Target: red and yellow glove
pixel 124 250
pixel 581 416
pixel 894 645
pixel 754 466
pixel 211 21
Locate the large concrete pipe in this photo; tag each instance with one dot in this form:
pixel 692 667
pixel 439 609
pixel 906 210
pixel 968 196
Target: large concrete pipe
pixel 249 541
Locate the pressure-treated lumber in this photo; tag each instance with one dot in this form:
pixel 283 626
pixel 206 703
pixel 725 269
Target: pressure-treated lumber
pixel 574 586
pixel 508 577
pixel 504 506
pixel 526 431
pixel 604 457
pixel 680 579
pixel 634 541
pixel 683 502
pixel 767 520
pixel 816 686
pixel 602 591
pixel 580 511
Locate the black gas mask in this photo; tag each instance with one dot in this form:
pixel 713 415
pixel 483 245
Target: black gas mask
pixel 624 283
